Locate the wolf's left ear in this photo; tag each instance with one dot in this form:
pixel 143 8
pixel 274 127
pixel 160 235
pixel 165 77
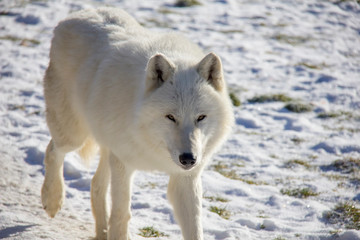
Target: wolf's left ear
pixel 210 68
pixel 159 69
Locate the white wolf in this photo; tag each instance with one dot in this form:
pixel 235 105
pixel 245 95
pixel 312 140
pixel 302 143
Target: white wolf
pixel 149 101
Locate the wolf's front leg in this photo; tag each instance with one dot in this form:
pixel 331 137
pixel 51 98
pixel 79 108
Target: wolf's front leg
pixel 185 194
pixel 121 178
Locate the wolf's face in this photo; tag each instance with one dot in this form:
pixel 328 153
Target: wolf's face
pixel 189 109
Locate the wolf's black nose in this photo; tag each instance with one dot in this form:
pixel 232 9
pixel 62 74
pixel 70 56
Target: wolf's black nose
pixel 187 159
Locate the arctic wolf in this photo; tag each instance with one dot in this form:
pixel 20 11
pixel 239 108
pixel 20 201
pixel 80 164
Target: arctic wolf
pixel 149 101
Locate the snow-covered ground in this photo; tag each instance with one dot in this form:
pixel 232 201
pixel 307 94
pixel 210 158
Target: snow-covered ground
pixel 308 50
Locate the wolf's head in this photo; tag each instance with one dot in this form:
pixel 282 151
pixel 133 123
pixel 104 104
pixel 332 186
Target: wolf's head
pixel 187 107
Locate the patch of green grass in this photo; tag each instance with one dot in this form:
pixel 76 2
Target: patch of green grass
pixel 150 185
pixel 347 165
pixel 251 133
pixel 281 25
pixel 325 115
pixel 334 114
pixel 299 192
pixel 37 113
pixel 240 164
pixel 292 40
pixel 345 214
pixel 21 41
pixel 338 114
pixel 335 177
pixel 23 3
pixel 150 232
pixel 335 232
pixel 14 107
pixel 297 140
pixel 352 130
pixel 218 167
pixel 224 170
pixel 313 66
pixel 279 238
pixel 252 182
pixel 22 107
pixel 230 174
pixel 230 31
pixel 167 11
pixel 222 212
pixel 296 162
pixel 313 156
pixel 342 129
pixel 270 98
pixel 216 199
pixel 187 3
pixel 237 89
pixel 10 38
pixel 235 100
pixel 262 215
pixel 298 107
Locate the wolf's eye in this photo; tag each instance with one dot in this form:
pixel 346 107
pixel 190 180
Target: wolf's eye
pixel 201 117
pixel 171 117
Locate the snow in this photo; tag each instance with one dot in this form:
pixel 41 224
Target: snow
pixel 308 50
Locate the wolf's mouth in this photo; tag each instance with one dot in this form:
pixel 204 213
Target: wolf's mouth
pixel 188 168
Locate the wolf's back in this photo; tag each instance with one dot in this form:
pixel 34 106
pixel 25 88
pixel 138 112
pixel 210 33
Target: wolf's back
pixel 90 32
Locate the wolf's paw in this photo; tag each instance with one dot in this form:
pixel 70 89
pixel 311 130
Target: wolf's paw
pixel 52 197
pixel 102 236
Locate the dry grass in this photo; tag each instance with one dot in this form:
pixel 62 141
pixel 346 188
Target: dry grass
pixel 150 232
pixel 270 98
pixel 344 214
pixel 222 212
pixel 299 192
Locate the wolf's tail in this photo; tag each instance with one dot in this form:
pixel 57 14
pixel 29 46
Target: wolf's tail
pixel 88 150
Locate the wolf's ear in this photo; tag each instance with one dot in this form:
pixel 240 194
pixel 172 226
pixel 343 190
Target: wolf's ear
pixel 210 68
pixel 159 69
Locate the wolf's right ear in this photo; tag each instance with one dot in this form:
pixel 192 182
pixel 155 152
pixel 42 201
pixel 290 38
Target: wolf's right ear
pixel 159 69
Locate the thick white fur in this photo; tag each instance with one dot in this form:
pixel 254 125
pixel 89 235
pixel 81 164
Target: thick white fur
pixel 112 81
